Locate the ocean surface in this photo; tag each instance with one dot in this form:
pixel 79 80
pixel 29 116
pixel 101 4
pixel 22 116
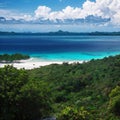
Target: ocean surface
pixel 61 48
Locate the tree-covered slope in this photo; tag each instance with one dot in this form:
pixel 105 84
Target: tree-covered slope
pixel 88 91
pixel 85 85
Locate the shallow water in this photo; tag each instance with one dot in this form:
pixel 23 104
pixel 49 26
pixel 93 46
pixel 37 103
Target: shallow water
pixel 61 48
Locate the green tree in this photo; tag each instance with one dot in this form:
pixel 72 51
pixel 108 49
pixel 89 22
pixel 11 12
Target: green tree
pixel 21 98
pixel 11 81
pixel 13 57
pixel 114 104
pixel 35 101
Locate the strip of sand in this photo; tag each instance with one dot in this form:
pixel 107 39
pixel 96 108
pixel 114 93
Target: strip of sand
pixel 34 63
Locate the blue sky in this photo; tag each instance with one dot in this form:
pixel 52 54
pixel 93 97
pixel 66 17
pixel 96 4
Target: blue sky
pixel 52 15
pixel 31 5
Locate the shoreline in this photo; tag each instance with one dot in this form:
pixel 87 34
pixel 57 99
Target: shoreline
pixel 35 63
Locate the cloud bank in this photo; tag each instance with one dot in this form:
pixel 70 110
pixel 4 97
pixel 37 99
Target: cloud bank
pixel 102 12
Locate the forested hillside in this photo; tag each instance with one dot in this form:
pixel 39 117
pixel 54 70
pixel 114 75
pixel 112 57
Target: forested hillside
pixel 88 91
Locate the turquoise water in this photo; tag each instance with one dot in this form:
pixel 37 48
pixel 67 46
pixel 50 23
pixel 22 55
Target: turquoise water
pixel 74 56
pixel 61 48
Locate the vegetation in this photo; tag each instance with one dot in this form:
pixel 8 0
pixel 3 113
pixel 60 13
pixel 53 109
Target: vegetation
pixel 13 57
pixel 88 91
pixel 21 98
pixel 114 104
pixel 70 113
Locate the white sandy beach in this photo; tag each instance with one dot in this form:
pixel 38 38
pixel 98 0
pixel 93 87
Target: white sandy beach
pixel 34 63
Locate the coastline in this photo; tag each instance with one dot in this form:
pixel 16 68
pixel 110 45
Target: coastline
pixel 35 63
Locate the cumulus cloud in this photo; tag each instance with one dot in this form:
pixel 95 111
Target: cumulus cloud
pixel 13 15
pixel 99 8
pixel 42 12
pixel 27 17
pixel 45 12
pixel 108 10
pixel 104 8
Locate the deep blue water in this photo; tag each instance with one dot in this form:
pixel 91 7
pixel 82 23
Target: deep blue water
pixel 63 48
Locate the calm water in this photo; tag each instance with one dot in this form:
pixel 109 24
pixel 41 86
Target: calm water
pixel 61 48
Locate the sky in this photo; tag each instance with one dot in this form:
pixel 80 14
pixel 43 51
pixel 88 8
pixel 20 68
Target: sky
pixel 54 15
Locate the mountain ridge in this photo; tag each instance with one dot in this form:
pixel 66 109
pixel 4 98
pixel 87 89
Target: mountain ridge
pixel 60 32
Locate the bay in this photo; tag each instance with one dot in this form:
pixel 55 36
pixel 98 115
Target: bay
pixel 61 48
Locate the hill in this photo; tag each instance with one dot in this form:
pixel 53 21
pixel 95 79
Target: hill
pixel 88 91
pixel 85 85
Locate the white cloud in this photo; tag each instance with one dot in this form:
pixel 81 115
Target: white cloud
pixel 104 8
pixel 5 13
pixel 27 17
pixel 45 12
pixel 100 8
pixel 116 19
pixel 9 15
pixel 42 12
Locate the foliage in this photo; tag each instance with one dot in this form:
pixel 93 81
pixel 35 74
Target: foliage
pixel 87 84
pixel 21 98
pixel 114 104
pixel 70 113
pixel 12 57
pixel 50 90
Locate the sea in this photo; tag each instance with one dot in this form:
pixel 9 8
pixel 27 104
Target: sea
pixel 61 48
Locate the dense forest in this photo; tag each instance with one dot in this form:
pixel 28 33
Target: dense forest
pixel 88 91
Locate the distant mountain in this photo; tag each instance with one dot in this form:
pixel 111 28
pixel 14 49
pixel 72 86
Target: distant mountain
pixel 60 32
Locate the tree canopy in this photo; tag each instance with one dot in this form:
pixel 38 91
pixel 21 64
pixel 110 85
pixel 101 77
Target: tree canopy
pixel 62 91
pixel 20 97
pixel 13 57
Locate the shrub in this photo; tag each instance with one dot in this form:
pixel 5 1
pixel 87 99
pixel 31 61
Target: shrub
pixel 114 103
pixel 70 113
